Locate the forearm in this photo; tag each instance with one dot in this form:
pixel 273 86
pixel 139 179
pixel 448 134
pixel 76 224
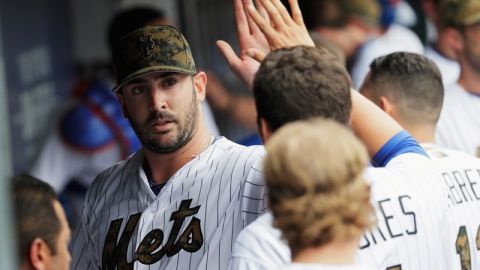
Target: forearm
pixel 371 125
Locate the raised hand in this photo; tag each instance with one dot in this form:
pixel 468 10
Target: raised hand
pixel 250 37
pixel 281 29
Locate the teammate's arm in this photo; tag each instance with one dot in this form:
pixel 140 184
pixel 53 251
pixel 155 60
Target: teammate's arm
pixel 249 36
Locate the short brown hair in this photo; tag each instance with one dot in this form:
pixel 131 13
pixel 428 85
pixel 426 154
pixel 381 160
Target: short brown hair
pixel 412 82
pixel 35 215
pixel 300 82
pixel 317 193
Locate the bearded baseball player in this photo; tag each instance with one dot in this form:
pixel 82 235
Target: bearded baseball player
pixel 292 81
pixel 180 201
pixel 409 88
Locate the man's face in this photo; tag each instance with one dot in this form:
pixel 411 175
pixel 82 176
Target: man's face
pixel 471 50
pixel 163 109
pixel 61 260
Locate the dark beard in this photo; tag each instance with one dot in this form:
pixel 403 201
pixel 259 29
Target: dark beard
pixel 185 132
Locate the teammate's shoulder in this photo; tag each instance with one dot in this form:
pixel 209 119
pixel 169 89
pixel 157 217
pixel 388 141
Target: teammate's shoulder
pixel 227 146
pixel 439 154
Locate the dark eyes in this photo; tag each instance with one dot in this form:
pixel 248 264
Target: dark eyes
pixel 170 81
pixel 137 90
pixel 140 88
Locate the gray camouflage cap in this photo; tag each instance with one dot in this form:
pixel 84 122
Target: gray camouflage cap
pixel 151 49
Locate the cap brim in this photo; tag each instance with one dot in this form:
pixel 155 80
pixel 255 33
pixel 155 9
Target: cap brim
pixel 149 70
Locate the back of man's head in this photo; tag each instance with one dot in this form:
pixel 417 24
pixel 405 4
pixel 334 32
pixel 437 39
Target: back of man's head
pixel 314 175
pixel 411 82
pixel 35 215
pixel 301 82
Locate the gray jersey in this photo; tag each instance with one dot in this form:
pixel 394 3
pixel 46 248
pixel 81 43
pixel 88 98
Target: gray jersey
pixel 189 225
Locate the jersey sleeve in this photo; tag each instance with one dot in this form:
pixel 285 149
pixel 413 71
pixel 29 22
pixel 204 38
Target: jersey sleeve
pixel 254 190
pixel 82 245
pixel 401 143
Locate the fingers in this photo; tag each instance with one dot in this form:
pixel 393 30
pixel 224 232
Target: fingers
pixel 296 12
pixel 282 10
pixel 261 10
pixel 241 19
pixel 273 13
pixel 253 28
pixel 259 20
pixel 228 53
pixel 256 54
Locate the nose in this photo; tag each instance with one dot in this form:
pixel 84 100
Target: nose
pixel 157 99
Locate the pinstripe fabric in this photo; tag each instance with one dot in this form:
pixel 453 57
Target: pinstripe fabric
pixel 410 207
pixel 192 222
pixel 461 176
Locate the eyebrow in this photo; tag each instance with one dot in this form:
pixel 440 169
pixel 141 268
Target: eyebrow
pixel 159 76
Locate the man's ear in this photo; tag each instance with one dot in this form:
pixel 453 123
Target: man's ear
pixel 455 42
pixel 264 130
pixel 121 100
pixel 39 254
pixel 386 105
pixel 200 84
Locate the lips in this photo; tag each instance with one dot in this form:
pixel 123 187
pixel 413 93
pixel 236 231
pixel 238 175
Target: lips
pixel 161 122
pixel 162 126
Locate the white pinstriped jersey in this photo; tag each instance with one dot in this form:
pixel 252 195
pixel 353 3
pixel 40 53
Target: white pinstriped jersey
pixel 461 175
pixel 305 266
pixel 410 206
pixel 260 246
pixel 189 225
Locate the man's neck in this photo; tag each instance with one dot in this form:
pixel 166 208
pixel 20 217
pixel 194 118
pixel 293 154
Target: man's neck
pixel 421 131
pixel 422 134
pixel 163 166
pixel 330 253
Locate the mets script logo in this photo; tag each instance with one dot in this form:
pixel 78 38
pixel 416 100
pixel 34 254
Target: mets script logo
pixel 191 239
pixel 146 44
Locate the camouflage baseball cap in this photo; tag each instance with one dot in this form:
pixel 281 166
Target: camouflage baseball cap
pixel 151 49
pixel 460 12
pixel 367 10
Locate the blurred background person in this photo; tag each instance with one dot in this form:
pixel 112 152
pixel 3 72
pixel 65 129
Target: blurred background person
pixel 42 233
pixel 440 40
pixel 391 37
pixel 459 124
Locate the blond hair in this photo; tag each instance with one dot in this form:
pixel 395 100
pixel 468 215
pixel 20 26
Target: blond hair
pixel 314 173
